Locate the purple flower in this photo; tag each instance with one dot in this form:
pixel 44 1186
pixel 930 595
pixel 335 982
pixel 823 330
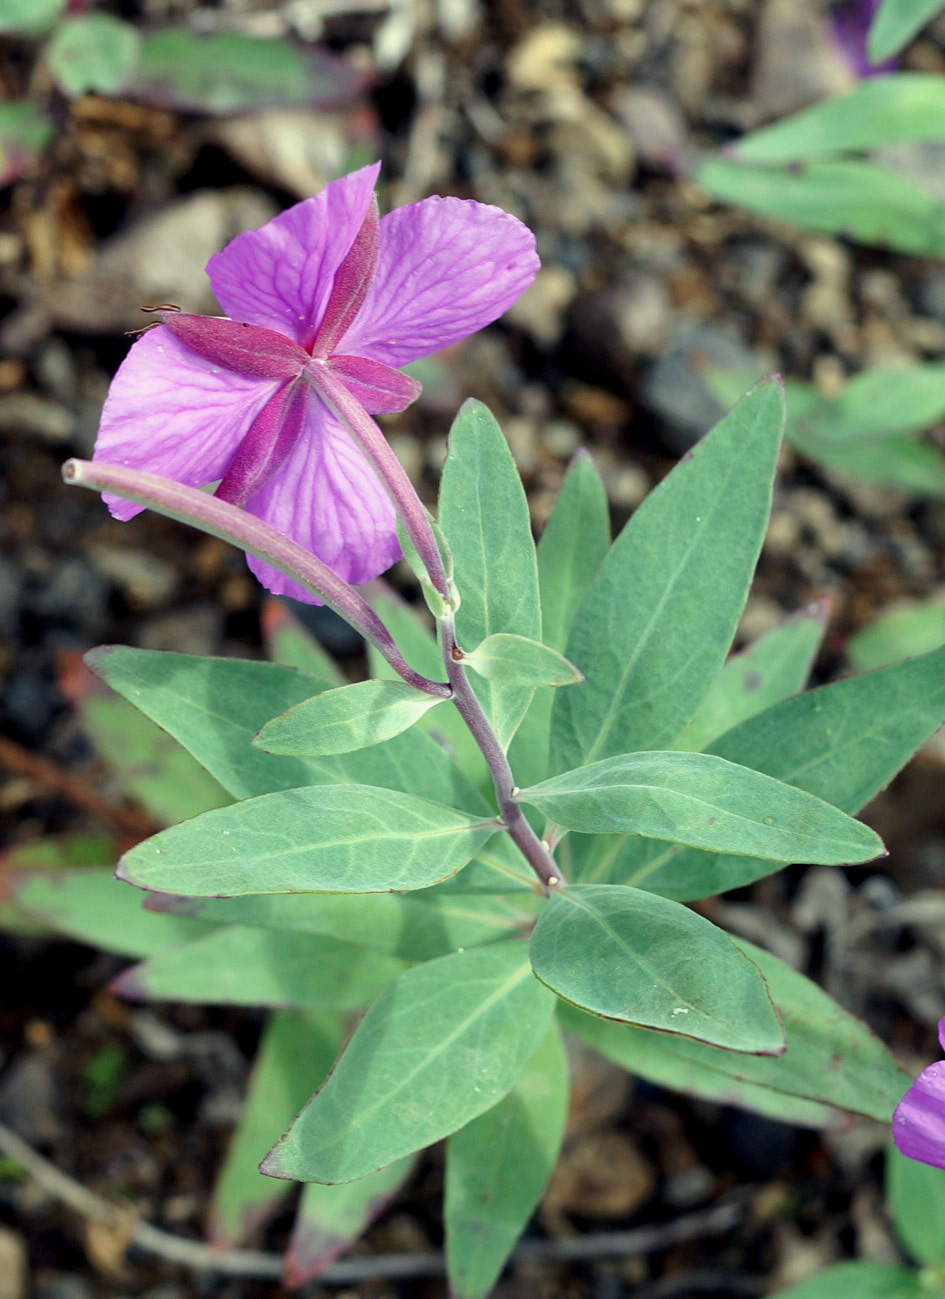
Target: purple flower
pixel 325 292
pixel 850 25
pixel 919 1120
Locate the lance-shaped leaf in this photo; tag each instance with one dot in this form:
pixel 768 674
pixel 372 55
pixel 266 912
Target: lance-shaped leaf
pixel 440 1046
pixel 705 802
pixel 518 661
pixel 629 955
pixel 214 707
pixel 895 24
pixel 345 719
pixel 92 52
pixel 484 514
pixel 289 642
pixel 915 1194
pixel 87 904
pixel 296 1051
pixel 661 614
pixel 412 926
pixel 772 668
pixel 497 1167
pixel 832 1058
pixel 864 1279
pixel 329 1218
pixel 320 839
pixel 842 742
pixel 247 966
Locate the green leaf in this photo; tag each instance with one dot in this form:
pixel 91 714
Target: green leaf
pixel 895 24
pixel 831 1060
pixel 228 72
pixel 414 926
pixel 320 839
pixel 345 719
pixel 518 661
pixel 906 106
pixel 441 1045
pixel 484 515
pixel 915 1194
pixel 90 905
pixel 842 742
pixel 873 405
pixel 93 52
pixel 247 966
pixel 901 632
pixel 214 707
pixel 647 637
pixel 497 1167
pixel 150 766
pixel 901 462
pixel 25 130
pixel 29 17
pixel 289 642
pixel 861 1279
pixel 628 955
pixel 705 802
pixel 296 1051
pixel 51 854
pixel 772 668
pixel 862 202
pixel 570 550
pixel 329 1218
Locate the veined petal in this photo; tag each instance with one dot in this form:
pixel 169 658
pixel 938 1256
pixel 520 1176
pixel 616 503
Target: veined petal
pixel 280 276
pixel 446 267
pixel 327 497
pixel 174 413
pixel 380 389
pixel 352 281
pixel 919 1121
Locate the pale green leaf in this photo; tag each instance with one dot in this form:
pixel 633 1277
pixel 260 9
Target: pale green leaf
pixel 916 1196
pixel 518 661
pixel 345 719
pixel 291 644
pixel 93 52
pixel 895 24
pixel 901 632
pixel 859 1279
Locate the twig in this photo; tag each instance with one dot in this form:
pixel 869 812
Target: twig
pixel 254 1263
pixel 126 820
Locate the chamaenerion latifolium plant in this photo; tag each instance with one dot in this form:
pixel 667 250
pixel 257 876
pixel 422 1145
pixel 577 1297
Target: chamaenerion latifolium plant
pixel 434 874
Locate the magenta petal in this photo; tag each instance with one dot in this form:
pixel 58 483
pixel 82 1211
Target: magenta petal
pixel 267 445
pixel 280 276
pixel 379 389
pixel 446 267
pixel 247 349
pixel 327 497
pixel 173 413
pixel 919 1121
pixel 351 283
pixel 941 1032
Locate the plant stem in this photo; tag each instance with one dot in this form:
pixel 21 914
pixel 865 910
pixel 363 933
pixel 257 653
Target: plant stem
pixel 232 524
pixel 513 818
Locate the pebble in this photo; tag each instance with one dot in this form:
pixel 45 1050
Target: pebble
pixel 197 629
pixel 542 309
pixel 144 578
pixel 72 593
pixel 61 1285
pixel 30 702
pixel 13 1265
pixel 29 1097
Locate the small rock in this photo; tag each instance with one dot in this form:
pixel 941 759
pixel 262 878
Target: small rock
pixel 30 702
pixel 29 1097
pixel 545 59
pixel 61 1285
pixel 195 630
pixel 39 417
pixel 796 62
pixel 143 578
pixel 654 123
pixel 13 1267
pixel 74 594
pixel 541 310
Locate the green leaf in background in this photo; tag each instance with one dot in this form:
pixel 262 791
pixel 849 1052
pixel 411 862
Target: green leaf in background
pixel 705 802
pixel 228 72
pixel 573 544
pixel 290 643
pixel 842 742
pixel 246 966
pixel 319 839
pixel 214 707
pixel 25 130
pixel 497 1167
pixel 861 1279
pixel 51 854
pixel 662 612
pixel 89 905
pixel 888 109
pixel 149 765
pixel 902 462
pixel 903 631
pixel 295 1053
pixel 830 1056
pixel 29 17
pixel 916 1196
pixel 345 719
pixel 441 1045
pixel 628 955
pixel 412 926
pixel 518 661
pixel 484 514
pixel 895 24
pixel 857 200
pixel 329 1218
pixel 772 668
pixel 93 52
